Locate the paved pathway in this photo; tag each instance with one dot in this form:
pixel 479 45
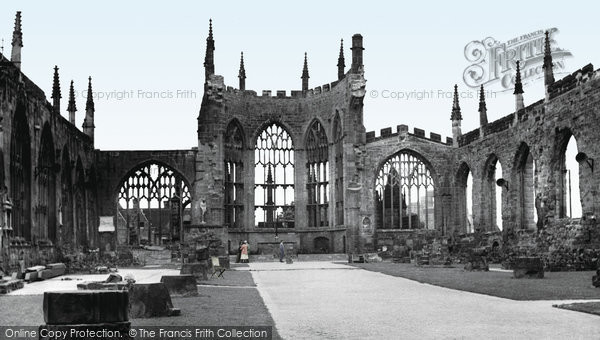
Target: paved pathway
pixel 320 300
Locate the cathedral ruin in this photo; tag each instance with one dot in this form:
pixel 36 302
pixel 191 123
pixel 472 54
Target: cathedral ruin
pixel 296 166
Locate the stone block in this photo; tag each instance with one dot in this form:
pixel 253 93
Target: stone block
pixel 85 307
pixel 198 269
pixel 149 300
pixel 530 267
pixel 10 285
pixel 106 331
pixel 184 285
pixel 99 285
pixel 53 270
pixel 32 276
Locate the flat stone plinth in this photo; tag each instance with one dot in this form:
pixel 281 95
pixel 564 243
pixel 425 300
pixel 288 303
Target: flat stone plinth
pixel 86 307
pixel 183 285
pixel 198 269
pixel 95 285
pixel 148 300
pixel 530 267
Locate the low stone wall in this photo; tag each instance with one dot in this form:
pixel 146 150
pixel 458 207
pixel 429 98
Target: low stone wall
pixel 563 244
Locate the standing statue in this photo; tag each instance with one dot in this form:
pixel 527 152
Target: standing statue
pixel 202 210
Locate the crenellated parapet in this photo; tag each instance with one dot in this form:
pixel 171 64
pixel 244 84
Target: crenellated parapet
pixel 402 132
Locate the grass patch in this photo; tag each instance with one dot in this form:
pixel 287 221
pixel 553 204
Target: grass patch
pixel 554 286
pixel 585 307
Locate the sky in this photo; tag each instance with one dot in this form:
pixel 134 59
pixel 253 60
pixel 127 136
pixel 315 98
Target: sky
pixel 146 58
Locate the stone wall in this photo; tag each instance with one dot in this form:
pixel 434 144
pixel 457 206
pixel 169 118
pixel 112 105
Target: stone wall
pixel 51 221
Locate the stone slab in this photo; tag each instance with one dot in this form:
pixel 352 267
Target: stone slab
pixel 148 300
pixel 183 285
pixel 100 285
pixel 198 269
pixel 85 307
pixel 10 285
pixel 32 276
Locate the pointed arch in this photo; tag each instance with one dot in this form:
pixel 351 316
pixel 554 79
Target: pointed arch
pixel 67 236
pixel 45 174
pixel 317 156
pixel 464 183
pixel 20 173
pixel 404 192
pixel 92 204
pixel 274 177
pixel 567 174
pixel 491 195
pixel 81 230
pixel 145 198
pixel 234 145
pixel 523 190
pixel 338 168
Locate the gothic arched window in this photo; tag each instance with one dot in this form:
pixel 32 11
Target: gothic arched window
pixel 404 192
pixel 233 140
pixel 274 178
pixel 147 200
pixel 338 135
pixel 318 175
pixel 20 175
pixel 46 180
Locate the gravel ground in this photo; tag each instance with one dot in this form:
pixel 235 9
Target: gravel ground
pixel 335 301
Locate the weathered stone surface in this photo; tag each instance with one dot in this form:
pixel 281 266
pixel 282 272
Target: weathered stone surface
pixel 85 307
pixel 149 300
pixel 96 285
pixel 184 285
pixel 596 279
pixel 105 331
pixel 10 285
pixel 530 267
pixel 113 277
pixel 53 270
pixel 198 269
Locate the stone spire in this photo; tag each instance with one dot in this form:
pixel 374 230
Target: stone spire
pixel 357 53
pixel 341 62
pixel 482 108
pixel 17 42
pixel 209 59
pixel 518 90
pixel 56 96
pixel 72 108
pixel 88 122
pixel 548 65
pixel 456 117
pixel 305 75
pixel 242 74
